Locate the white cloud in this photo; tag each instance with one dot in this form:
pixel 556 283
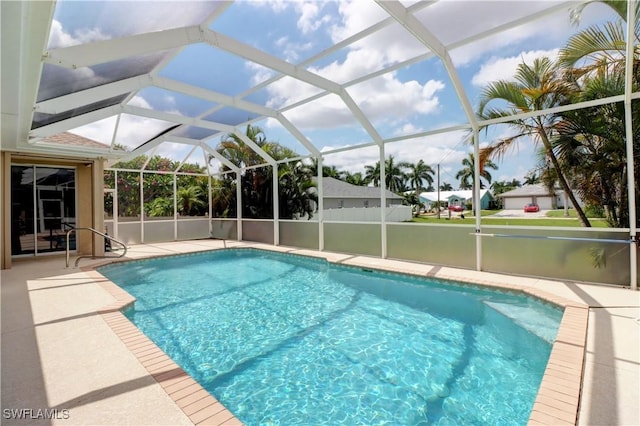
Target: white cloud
pixel 473 18
pixel 447 149
pixel 275 5
pixel 407 129
pixel 259 72
pixel 292 50
pixel 309 20
pixel 178 152
pixel 385 98
pixel 58 37
pixel 355 18
pixel 169 104
pixel 132 130
pixel 496 68
pixel 101 131
pixel 139 101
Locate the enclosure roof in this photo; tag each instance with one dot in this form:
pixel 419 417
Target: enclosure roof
pixel 175 77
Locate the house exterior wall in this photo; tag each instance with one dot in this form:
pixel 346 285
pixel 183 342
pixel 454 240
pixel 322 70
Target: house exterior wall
pixel 456 201
pixel 545 203
pixel 337 203
pixel 89 196
pixel 484 201
pixel 516 203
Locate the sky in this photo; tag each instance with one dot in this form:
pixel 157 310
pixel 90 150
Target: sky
pixel 411 99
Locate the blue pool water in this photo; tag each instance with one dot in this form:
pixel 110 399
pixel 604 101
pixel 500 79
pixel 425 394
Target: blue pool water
pixel 281 339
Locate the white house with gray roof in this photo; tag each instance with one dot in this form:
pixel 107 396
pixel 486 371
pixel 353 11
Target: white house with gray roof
pixel 338 194
pixel 517 198
pixel 344 202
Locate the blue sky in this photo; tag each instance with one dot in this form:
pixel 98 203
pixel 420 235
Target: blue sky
pixel 414 98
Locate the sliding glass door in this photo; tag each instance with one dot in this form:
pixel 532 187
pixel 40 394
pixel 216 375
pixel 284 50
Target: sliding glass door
pixel 43 209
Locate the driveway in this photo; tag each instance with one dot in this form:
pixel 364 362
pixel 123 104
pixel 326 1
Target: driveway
pixel 520 214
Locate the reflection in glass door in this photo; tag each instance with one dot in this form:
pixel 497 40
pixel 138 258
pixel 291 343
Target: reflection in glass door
pixel 43 209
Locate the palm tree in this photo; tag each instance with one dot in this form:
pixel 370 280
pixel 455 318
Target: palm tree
pixel 592 142
pixel 531 178
pixel 355 178
pixel 591 147
pixel 467 173
pixel 395 176
pixel 418 174
pixel 600 47
pixel 327 171
pixel 257 188
pixel 446 187
pixel 188 198
pixel 297 195
pixel 500 187
pixel 536 87
pixel 372 174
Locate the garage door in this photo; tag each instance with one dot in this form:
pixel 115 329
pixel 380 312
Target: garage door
pixel 516 203
pixel 545 203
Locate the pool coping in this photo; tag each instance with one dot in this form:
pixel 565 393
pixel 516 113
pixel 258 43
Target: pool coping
pixel 557 401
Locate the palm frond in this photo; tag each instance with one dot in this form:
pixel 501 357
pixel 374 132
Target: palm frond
pixel 507 91
pixel 594 43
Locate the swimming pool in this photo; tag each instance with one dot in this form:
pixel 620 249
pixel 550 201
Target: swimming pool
pixel 281 339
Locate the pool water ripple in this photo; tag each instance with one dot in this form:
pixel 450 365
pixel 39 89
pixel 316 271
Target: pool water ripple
pixel 293 341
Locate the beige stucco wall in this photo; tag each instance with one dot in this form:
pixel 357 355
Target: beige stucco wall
pixel 89 196
pixel 5 211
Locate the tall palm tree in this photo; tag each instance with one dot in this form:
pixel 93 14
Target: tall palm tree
pixel 372 174
pixel 419 173
pixel 467 173
pixel 591 146
pixel 395 176
pixel 536 87
pixel 595 59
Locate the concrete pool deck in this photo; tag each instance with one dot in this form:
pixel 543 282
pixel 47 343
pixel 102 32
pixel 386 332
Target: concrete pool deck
pixel 59 352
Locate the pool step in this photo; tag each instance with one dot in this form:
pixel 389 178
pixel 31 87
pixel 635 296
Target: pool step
pixel 527 318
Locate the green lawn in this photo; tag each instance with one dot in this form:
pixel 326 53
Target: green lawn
pixel 487 220
pixel 572 213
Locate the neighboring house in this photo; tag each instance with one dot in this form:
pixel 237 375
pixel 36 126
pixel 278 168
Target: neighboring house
pixel 456 198
pixel 538 194
pixel 68 138
pixel 517 198
pixel 338 194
